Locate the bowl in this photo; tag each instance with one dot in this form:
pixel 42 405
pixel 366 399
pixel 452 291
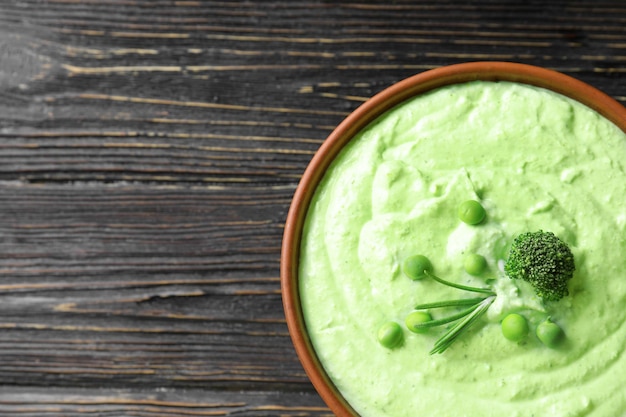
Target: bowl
pixel 358 120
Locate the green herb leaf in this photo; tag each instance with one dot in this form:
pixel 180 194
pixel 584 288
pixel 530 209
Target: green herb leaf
pixel 450 303
pixel 451 335
pixel 459 286
pixel 449 319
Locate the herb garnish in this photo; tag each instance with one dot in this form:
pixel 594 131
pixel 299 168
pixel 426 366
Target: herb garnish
pixel 466 317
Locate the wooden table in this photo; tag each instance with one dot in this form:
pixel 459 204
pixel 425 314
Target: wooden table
pixel 149 151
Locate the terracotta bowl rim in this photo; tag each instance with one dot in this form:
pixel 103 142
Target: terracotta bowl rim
pixel 357 120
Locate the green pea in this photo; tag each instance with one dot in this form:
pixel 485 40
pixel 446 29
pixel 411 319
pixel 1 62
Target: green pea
pixel 416 318
pixel 549 333
pixel 515 327
pixel 475 264
pixel 390 334
pixel 415 266
pixel 471 212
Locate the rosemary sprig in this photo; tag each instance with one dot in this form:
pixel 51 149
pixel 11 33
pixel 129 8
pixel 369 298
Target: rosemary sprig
pixel 451 335
pixel 465 318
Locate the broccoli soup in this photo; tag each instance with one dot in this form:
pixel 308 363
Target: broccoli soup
pixel 464 255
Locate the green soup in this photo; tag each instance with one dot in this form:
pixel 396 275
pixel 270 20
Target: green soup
pixel 536 161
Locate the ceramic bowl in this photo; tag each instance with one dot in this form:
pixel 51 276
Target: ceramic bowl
pixel 361 117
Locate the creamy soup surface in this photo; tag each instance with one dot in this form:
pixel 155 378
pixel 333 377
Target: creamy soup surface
pixel 536 161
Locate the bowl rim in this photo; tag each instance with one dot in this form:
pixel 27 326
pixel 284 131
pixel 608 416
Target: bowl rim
pixel 356 121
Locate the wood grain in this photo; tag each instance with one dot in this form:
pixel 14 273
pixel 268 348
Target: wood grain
pixel 148 154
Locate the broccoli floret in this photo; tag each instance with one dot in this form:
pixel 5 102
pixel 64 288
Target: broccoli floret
pixel 543 260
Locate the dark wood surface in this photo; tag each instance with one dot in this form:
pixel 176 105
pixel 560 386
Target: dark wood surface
pixel 148 154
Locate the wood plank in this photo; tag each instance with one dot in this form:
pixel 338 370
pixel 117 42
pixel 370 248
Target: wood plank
pixel 159 402
pixel 152 286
